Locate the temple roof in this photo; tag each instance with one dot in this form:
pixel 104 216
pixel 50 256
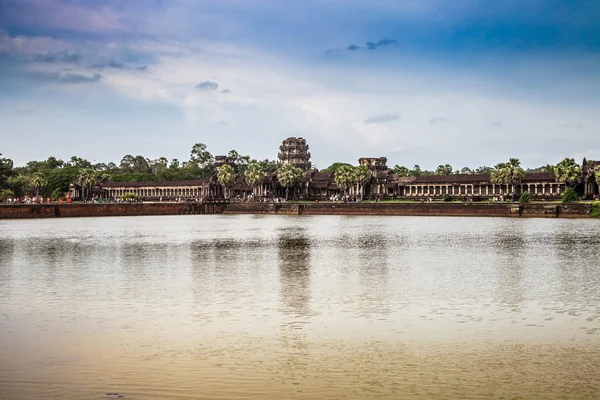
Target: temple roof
pixel 195 182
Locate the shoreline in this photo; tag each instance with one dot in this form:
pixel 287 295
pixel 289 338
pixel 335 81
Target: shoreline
pixel 513 210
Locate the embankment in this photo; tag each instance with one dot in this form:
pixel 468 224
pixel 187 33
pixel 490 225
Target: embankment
pixel 578 210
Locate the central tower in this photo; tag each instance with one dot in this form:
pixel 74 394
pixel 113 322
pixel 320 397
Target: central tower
pixel 294 151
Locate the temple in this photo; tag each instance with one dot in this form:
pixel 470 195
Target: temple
pixel 383 183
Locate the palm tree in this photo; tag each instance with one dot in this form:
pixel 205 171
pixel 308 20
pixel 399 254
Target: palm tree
pixel 254 176
pixel 36 183
pixel 86 180
pixel 568 172
pixel 289 176
pixel 344 177
pixel 362 174
pixel 597 176
pixel 226 177
pixel 509 174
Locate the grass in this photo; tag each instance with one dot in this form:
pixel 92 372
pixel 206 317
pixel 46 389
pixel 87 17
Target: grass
pixel 595 213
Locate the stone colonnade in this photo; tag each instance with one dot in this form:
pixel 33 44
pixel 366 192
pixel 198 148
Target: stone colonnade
pixel 484 190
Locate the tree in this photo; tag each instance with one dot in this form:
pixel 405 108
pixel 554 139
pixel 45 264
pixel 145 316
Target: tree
pixel 416 171
pixel 140 164
pixel 484 170
pixel 226 177
pixel 6 194
pixel 335 166
pixel 126 164
pixel 36 183
pixel 509 174
pixel 80 162
pixel 466 171
pixel 597 176
pixel 568 172
pixel 201 157
pixel 86 180
pixel 6 170
pixel 233 156
pixel 570 195
pixel 444 170
pixel 401 171
pixel 344 177
pixel 362 174
pixel 254 176
pixel 174 164
pixel 268 165
pixel 53 163
pixel 289 176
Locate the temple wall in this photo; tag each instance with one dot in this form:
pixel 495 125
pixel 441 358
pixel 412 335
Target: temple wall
pixel 578 210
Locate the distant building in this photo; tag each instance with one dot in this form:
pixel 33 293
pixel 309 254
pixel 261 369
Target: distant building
pixel 384 184
pixel 294 151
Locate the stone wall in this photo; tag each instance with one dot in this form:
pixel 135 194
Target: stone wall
pixel 415 209
pixel 578 210
pixel 96 210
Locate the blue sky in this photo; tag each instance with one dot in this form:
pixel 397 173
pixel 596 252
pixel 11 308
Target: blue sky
pixel 465 82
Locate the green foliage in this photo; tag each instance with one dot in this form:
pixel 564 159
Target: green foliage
pixel 6 194
pixel 59 179
pixel 226 176
pixel 509 173
pixel 201 157
pixel 401 171
pixel 416 171
pixel 6 170
pixel 595 212
pixel 289 176
pixel 36 183
pixel 56 193
pixel 268 165
pixel 484 170
pixel 128 196
pixel 570 195
pixel 254 174
pixel 335 166
pixel 448 197
pixel 525 197
pixel 362 174
pixel 344 176
pixel 444 170
pixel 568 171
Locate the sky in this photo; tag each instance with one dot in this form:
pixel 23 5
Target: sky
pixel 428 82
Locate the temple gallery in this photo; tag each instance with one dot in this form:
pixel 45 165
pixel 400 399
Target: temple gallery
pixel 381 182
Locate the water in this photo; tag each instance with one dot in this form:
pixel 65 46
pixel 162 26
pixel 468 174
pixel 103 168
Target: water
pixel 271 307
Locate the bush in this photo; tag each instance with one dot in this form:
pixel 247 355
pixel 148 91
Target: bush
pixel 448 197
pixel 525 197
pixel 128 196
pixel 6 194
pixel 595 209
pixel 56 193
pixel 570 196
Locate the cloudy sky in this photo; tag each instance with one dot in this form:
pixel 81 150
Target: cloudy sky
pixel 465 82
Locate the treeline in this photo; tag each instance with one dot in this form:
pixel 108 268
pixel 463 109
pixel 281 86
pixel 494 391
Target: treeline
pixel 52 177
pixel 445 169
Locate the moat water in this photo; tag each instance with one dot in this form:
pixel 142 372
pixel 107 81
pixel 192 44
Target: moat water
pixel 272 307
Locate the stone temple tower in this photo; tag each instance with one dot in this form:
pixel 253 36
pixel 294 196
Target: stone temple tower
pixel 294 151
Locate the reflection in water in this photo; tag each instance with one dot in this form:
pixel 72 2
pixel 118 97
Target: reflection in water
pixel 509 263
pixel 278 307
pixel 7 249
pixel 294 272
pixel 294 276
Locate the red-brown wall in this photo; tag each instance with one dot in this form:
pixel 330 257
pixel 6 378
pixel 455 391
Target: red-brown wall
pixel 579 210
